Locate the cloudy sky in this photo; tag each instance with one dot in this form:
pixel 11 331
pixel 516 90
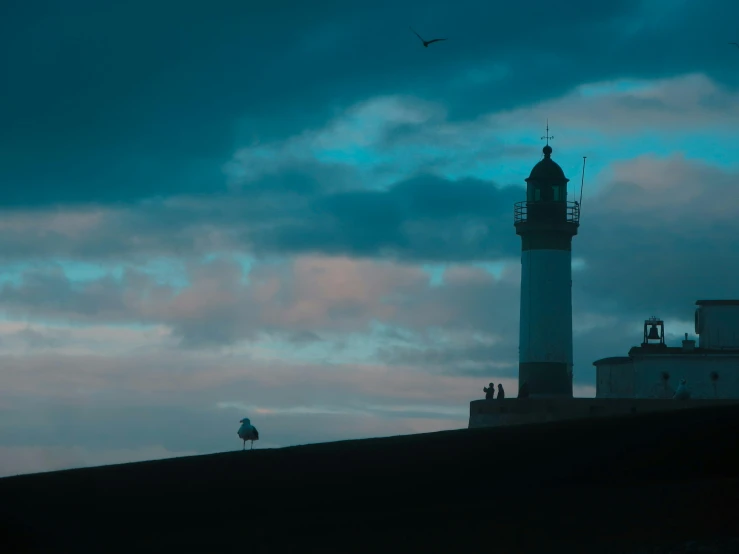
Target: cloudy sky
pixel 292 211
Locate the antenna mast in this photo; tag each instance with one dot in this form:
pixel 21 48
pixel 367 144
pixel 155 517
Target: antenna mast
pixel 582 181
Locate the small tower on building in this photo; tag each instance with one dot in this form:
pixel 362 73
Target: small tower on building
pixel 546 223
pixel 655 337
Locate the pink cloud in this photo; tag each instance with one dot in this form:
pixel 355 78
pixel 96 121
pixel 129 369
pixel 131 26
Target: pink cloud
pixel 70 223
pixel 666 187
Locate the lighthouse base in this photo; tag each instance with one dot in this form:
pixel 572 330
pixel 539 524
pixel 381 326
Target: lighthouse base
pixel 546 379
pixel 521 411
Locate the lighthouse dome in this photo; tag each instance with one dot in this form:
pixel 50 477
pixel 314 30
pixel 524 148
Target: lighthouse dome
pixel 547 171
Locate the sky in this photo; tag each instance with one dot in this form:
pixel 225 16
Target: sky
pixel 293 212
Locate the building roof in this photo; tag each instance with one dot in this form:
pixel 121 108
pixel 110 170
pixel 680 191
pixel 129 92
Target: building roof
pixel 616 360
pixel 717 302
pixel 640 351
pixel 678 350
pixel 547 171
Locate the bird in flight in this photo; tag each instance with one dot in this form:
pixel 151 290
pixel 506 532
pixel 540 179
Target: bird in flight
pixel 735 44
pixel 426 42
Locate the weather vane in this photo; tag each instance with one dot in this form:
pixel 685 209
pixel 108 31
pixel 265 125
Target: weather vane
pixel 547 135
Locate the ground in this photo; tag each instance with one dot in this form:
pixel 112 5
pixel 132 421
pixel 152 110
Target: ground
pixel 644 483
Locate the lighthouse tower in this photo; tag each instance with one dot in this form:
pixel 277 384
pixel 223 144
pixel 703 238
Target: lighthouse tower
pixel 546 223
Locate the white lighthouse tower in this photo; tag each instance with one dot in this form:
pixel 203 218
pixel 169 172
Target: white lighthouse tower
pixel 546 222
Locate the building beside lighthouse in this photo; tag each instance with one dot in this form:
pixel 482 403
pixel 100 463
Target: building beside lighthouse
pixel 546 222
pixel 654 369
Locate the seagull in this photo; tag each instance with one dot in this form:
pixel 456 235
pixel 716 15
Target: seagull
pixel 426 42
pixel 682 392
pixel 247 432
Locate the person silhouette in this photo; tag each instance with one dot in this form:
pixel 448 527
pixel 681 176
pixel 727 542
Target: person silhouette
pixel 501 392
pixel 489 392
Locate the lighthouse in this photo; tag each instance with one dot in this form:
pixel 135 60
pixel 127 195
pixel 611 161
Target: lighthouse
pixel 546 223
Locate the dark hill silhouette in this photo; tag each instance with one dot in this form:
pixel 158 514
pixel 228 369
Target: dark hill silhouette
pixel 605 485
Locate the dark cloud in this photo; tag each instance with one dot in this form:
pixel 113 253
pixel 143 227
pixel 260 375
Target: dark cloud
pixel 139 100
pixel 423 218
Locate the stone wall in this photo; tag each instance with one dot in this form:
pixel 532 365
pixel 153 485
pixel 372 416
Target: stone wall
pixel 517 411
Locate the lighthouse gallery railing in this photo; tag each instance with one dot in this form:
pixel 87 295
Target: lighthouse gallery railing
pixel 571 210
